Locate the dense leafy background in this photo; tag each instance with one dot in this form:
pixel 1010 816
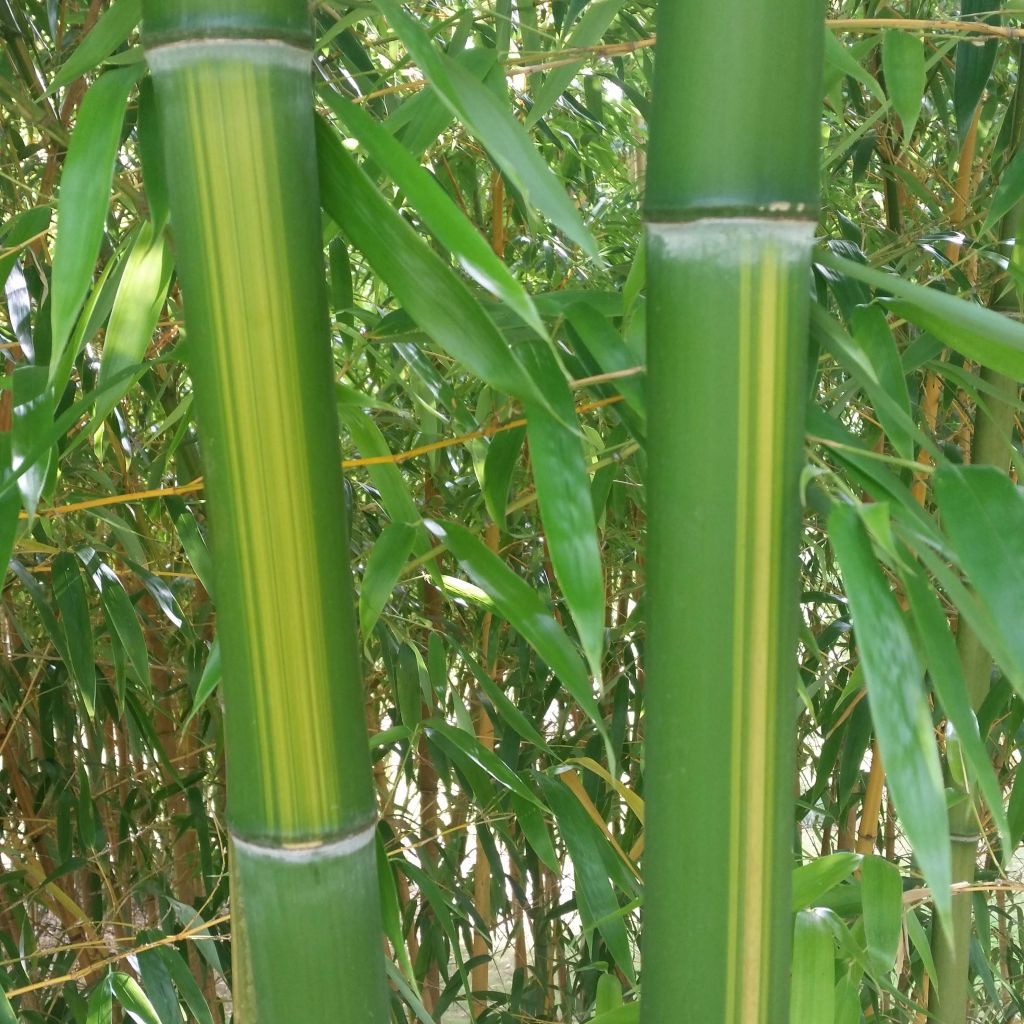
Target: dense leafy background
pixel 499 554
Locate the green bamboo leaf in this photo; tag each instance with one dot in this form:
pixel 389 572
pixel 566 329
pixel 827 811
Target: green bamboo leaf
pixel 595 898
pixel 983 514
pixel 443 218
pixel 10 506
pixel 449 736
pixel 69 593
pixel 872 334
pixel 499 465
pixel 82 205
pixel 17 232
pixel 186 984
pixel 812 881
pixel 6 1010
pixel 588 31
pixel 534 824
pixel 1009 192
pixel 195 924
pixel 566 508
pixel 980 334
pixel 920 943
pixel 42 608
pixel 110 31
pixel 120 613
pixel 899 704
pixel 101 1004
pixel 882 895
pixel 520 604
pixel 507 711
pixel 128 993
pixel 488 118
pixel 947 677
pixel 429 291
pixel 903 65
pixel 974 62
pixel 32 402
pixel 389 554
pixel 208 681
pixel 157 984
pixel 140 297
pixel 609 994
pixel 840 62
pixel 813 994
pixel 608 349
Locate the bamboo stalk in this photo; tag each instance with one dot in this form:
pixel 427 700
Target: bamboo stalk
pixel 731 206
pixel 235 105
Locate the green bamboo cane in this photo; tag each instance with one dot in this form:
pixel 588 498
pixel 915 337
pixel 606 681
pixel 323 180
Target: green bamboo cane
pixel 233 86
pixel 731 204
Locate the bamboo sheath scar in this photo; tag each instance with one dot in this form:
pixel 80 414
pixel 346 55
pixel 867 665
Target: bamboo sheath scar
pixel 235 110
pixel 731 208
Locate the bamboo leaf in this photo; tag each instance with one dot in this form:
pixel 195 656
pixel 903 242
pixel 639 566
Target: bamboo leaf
pixel 812 881
pixel 32 402
pixel 140 297
pixel 69 593
pixel 128 993
pixel 101 1004
pixel 442 217
pixel 974 63
pixel 871 332
pixel 449 736
pixel 113 27
pixel 488 118
pixel 588 31
pixel 882 895
pixel 186 984
pixel 899 705
pixel 983 513
pixel 120 612
pixel 1009 192
pixel 947 677
pixel 433 296
pixel 523 608
pixel 82 205
pixel 813 996
pixel 981 334
pixel 567 511
pixel 208 681
pixel 17 232
pixel 387 557
pixel 903 65
pixel 499 465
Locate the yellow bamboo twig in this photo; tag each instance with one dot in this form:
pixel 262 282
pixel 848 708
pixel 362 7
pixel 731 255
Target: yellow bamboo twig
pixel 395 458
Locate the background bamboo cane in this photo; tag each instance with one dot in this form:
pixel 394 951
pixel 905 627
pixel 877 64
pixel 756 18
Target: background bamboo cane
pixel 731 197
pixel 235 104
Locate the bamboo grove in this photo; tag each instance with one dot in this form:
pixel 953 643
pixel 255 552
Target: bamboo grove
pixel 440 440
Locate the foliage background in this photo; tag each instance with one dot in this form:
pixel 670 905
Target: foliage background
pixel 510 840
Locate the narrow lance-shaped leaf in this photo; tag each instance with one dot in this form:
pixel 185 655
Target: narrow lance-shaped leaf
pixel 387 557
pixel 69 593
pixel 899 705
pixel 433 296
pixel 948 680
pixel 489 119
pixel 813 999
pixel 519 603
pixel 82 205
pixel 903 64
pixel 140 297
pixel 110 31
pixel 440 214
pixel 983 513
pixel 978 333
